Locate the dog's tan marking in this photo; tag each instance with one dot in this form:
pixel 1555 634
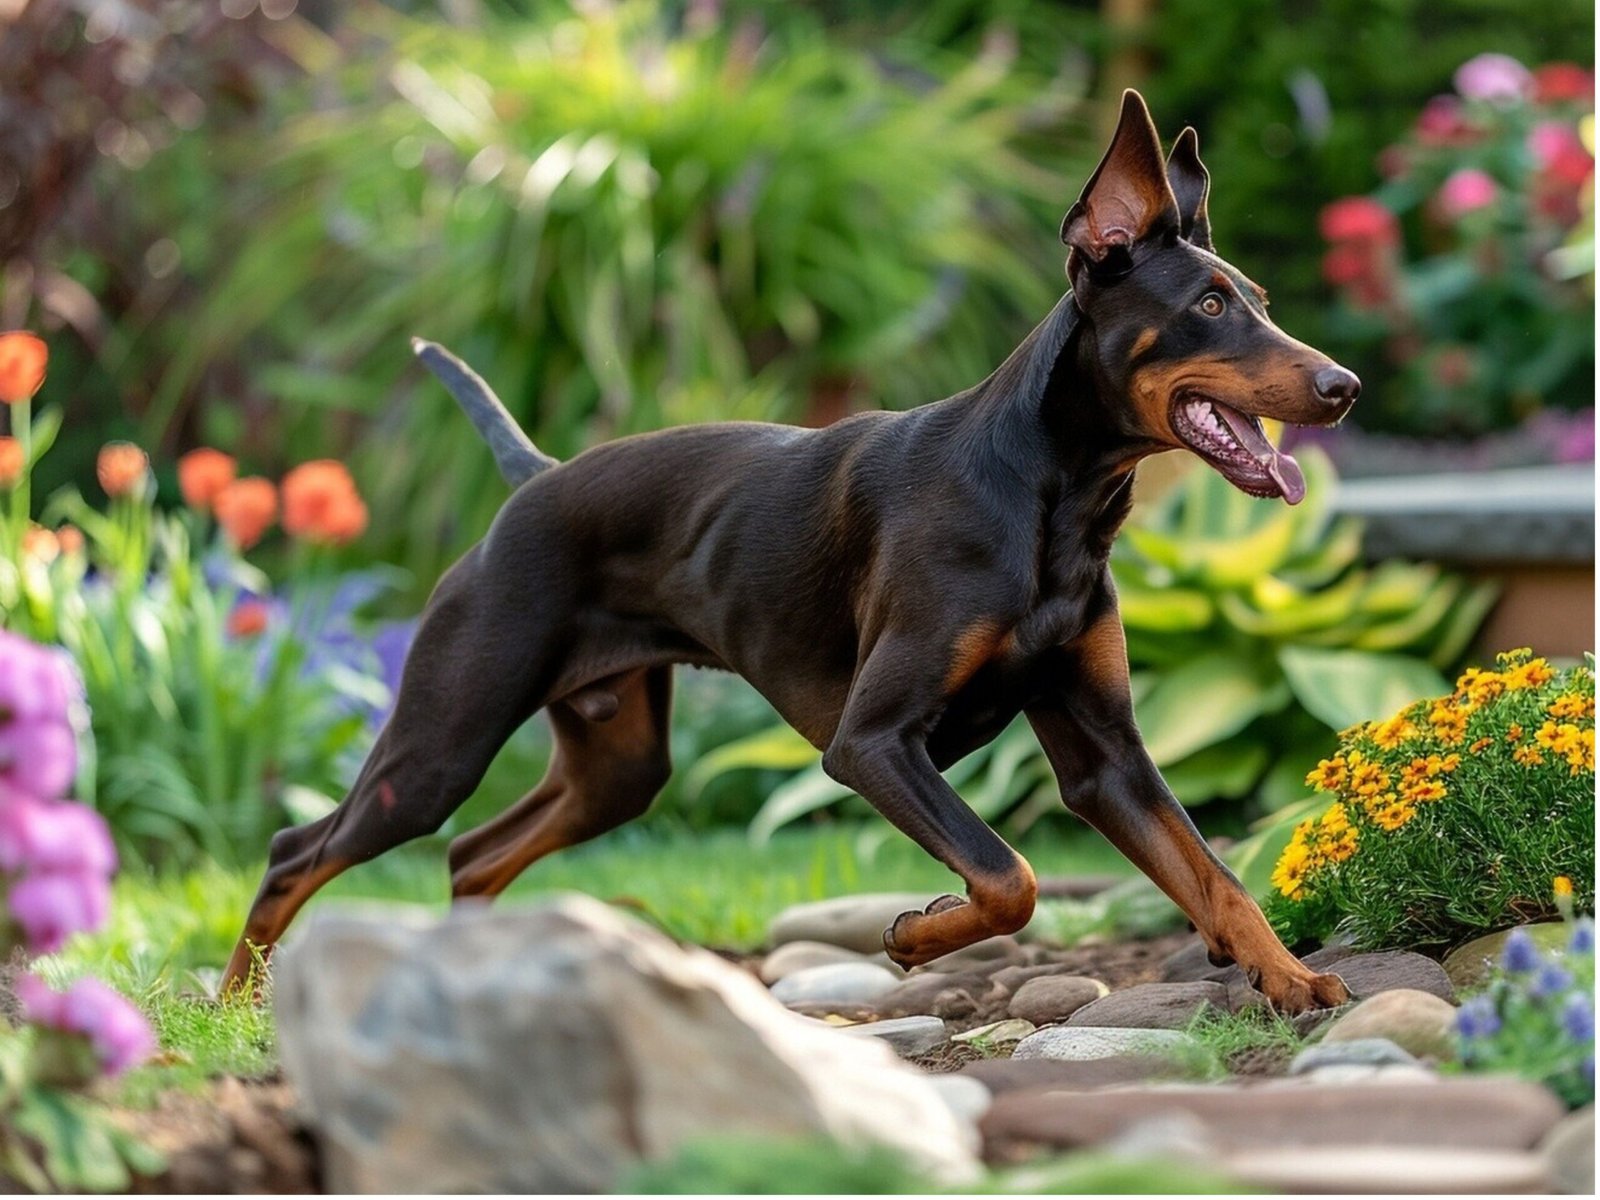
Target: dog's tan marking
pixel 974 646
pixel 1144 343
pixel 1103 653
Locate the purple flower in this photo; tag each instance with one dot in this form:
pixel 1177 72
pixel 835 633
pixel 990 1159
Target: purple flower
pixel 1578 1018
pixel 119 1034
pixel 1582 940
pixel 1493 77
pixel 1477 1018
pixel 1520 954
pixel 1549 981
pixel 52 907
pixel 38 692
pixel 39 836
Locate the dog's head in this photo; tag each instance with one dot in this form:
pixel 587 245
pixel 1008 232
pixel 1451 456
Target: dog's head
pixel 1180 339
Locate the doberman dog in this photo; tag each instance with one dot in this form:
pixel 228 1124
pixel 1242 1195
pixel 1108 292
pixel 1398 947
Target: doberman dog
pixel 899 586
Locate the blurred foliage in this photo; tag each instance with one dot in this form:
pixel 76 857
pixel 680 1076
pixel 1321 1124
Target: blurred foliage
pixel 1487 316
pixel 1253 631
pixel 628 223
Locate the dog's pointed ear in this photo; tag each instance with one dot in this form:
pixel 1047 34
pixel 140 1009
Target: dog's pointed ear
pixel 1191 183
pixel 1128 198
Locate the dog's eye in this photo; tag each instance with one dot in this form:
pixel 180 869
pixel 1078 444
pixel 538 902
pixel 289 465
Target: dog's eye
pixel 1213 305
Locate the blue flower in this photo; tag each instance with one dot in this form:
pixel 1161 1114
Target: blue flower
pixel 1550 980
pixel 1520 954
pixel 1477 1018
pixel 1582 938
pixel 1578 1019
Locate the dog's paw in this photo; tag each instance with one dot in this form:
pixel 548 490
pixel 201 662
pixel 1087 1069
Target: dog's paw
pixel 1303 992
pixel 944 904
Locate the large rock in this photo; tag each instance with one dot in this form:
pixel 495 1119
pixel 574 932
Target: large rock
pixel 1418 1022
pixel 835 983
pixel 1152 1006
pixel 1477 1112
pixel 1470 965
pixel 1391 970
pixel 799 956
pixel 910 1036
pixel 1054 997
pixel 854 922
pixel 1568 1151
pixel 936 994
pixel 1084 1044
pixel 1351 1052
pixel 547 1049
pixel 1389 1170
pixel 1082 1075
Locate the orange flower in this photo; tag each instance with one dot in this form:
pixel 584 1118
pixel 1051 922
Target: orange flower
pixel 202 474
pixel 248 618
pixel 321 504
pixel 70 539
pixel 246 509
pixel 11 463
pixel 121 467
pixel 41 544
pixel 23 358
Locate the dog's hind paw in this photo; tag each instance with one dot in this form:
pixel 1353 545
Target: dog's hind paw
pixel 944 904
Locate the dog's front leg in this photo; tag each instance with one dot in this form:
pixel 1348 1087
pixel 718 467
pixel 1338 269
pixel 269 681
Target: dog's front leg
pixel 1107 777
pixel 879 750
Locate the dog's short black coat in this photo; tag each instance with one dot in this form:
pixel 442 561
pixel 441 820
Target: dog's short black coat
pixel 899 585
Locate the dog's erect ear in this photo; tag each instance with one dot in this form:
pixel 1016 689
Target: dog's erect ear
pixel 1127 199
pixel 1190 184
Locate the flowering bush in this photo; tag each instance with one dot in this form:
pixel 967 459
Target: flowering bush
pixel 221 710
pixel 1452 816
pixel 1536 1018
pixel 1493 319
pixel 56 862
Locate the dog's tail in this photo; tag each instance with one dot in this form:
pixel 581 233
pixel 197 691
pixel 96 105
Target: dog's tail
pixel 517 457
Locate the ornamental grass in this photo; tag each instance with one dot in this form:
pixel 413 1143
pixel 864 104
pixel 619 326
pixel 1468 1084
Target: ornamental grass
pixel 1451 817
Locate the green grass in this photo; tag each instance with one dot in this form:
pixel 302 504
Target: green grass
pixel 1232 1042
pixel 169 933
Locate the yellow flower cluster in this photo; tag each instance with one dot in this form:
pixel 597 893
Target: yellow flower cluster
pixel 1386 771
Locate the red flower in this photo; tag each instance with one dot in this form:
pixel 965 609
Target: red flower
pixel 1360 219
pixel 121 468
pixel 202 474
pixel 23 359
pixel 321 504
pixel 246 509
pixel 1556 82
pixel 11 463
pixel 248 618
pixel 1443 121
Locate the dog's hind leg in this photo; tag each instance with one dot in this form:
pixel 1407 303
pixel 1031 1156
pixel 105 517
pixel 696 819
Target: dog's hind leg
pixel 602 774
pixel 475 673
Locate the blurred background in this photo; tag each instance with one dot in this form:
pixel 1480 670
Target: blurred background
pixel 227 217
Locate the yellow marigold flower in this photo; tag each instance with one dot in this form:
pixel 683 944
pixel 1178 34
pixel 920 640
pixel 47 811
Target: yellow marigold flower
pixel 1527 756
pixel 1449 722
pixel 1534 673
pixel 1513 732
pixel 1563 886
pixel 1479 746
pixel 1389 734
pixel 1447 764
pixel 1368 779
pixel 1329 775
pixel 1559 739
pixel 1341 847
pixel 1479 687
pixel 1290 874
pixel 1424 790
pixel 1581 757
pixel 1394 814
pixel 1572 704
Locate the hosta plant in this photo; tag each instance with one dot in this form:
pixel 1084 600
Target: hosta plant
pixel 1450 817
pixel 1536 1017
pixel 1253 633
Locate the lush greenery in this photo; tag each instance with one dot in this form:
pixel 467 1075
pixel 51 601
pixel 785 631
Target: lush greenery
pixel 1536 1017
pixel 1495 319
pixel 1253 631
pixel 1451 817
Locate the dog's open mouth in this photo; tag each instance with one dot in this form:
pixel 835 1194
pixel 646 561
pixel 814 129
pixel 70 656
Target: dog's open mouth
pixel 1235 444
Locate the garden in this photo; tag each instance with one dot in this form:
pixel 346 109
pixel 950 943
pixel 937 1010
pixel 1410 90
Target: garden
pixel 227 491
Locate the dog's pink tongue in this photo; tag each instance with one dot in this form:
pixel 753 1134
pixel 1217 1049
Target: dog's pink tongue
pixel 1282 468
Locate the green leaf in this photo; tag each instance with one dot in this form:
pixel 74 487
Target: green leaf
pixel 1254 858
pixel 1342 688
pixel 778 748
pixel 1226 770
pixel 1202 702
pixel 806 792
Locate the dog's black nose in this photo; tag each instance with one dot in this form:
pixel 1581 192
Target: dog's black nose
pixel 1335 383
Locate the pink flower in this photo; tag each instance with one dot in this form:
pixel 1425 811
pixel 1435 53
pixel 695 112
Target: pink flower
pixel 1494 77
pixel 1359 219
pixel 38 692
pixel 1561 153
pixel 1465 191
pixel 52 907
pixel 35 681
pixel 38 757
pixel 42 836
pixel 1443 122
pixel 114 1027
